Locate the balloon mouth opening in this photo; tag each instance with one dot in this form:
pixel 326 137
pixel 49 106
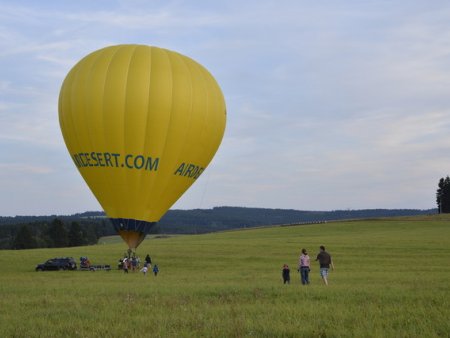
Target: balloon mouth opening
pixel 132 231
pixel 133 239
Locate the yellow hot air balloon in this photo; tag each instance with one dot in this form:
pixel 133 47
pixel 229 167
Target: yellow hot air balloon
pixel 141 124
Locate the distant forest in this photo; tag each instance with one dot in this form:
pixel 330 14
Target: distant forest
pixel 21 232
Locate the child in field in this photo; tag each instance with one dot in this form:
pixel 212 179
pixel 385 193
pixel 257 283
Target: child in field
pixel 286 274
pixel 144 270
pixel 155 269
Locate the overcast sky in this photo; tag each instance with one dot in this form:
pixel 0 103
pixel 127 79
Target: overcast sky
pixel 331 104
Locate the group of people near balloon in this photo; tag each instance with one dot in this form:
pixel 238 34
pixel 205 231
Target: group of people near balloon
pixel 133 263
pixel 304 266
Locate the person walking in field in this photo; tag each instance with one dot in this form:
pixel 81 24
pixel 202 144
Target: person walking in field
pixel 155 269
pixel 325 263
pixel 285 273
pixel 133 263
pixel 148 260
pixel 125 265
pixel 304 267
pixel 144 270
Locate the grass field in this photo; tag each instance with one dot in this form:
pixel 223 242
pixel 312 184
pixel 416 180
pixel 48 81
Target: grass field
pixel 392 279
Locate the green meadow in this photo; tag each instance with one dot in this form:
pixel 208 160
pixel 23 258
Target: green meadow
pixel 392 279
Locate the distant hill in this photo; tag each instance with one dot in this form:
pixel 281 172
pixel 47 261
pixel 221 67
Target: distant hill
pixel 223 218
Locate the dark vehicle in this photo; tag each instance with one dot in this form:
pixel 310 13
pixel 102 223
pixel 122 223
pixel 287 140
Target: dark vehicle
pixel 59 263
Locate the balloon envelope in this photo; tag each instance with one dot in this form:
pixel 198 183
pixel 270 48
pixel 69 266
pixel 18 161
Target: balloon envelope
pixel 141 124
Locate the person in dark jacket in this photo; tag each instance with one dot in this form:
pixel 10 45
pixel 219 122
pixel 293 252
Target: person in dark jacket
pixel 148 260
pixel 286 274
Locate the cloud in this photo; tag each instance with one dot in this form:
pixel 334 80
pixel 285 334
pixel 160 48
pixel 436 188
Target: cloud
pixel 21 168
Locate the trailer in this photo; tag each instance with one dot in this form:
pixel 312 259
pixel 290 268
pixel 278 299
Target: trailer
pixel 85 265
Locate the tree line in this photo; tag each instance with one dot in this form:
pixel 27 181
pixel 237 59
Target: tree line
pixel 25 232
pixel 55 234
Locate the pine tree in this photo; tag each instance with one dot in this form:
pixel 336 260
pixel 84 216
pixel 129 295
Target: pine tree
pixel 443 195
pixel 24 239
pixel 75 235
pixel 58 234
